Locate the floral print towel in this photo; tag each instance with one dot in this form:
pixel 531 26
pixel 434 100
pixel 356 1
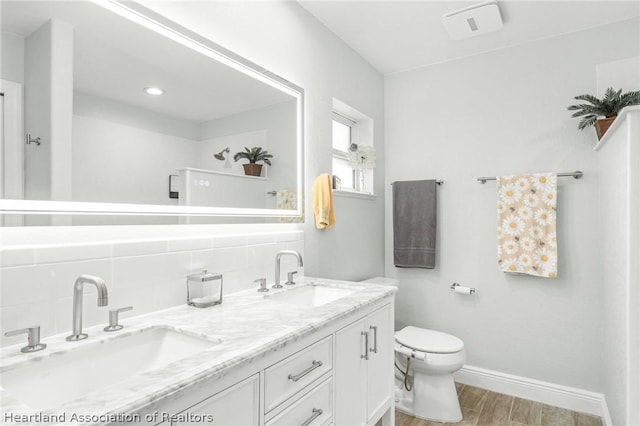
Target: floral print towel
pixel 527 224
pixel 288 200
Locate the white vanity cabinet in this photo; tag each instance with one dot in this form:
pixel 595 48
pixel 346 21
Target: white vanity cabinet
pixel 363 368
pixel 315 407
pixel 292 374
pixel 238 405
pixel 341 374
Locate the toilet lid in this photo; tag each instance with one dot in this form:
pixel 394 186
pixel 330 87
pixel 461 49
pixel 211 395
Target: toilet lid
pixel 422 339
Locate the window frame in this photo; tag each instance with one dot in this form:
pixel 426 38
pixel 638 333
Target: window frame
pixel 344 155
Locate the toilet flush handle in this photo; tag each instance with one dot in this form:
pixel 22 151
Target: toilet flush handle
pixel 374 328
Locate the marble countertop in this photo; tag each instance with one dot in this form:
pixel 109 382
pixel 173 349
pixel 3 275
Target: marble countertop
pixel 247 325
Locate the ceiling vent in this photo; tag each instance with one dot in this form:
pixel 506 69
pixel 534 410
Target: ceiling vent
pixel 473 21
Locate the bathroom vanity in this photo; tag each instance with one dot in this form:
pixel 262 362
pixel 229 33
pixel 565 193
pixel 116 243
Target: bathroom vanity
pixel 317 353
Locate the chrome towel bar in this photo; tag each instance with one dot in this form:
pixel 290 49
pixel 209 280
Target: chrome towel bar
pixel 438 182
pixel 577 175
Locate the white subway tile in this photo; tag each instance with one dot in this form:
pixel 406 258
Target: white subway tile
pixel 72 253
pixel 166 296
pixel 290 236
pixel 219 260
pixel 139 248
pixel 243 279
pixel 261 238
pixel 297 245
pixel 137 271
pixel 262 254
pixel 21 316
pixel 63 275
pixel 26 284
pixel 230 241
pixel 17 257
pixel 37 283
pixel 141 298
pixel 189 244
pixel 92 314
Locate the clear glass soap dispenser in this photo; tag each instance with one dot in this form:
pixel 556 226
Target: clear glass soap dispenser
pixel 204 289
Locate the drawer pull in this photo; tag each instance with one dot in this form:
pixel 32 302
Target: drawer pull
pixel 317 412
pixel 366 345
pixel 314 364
pixel 375 338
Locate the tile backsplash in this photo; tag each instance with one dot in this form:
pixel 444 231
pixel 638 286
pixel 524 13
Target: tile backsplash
pixel 36 281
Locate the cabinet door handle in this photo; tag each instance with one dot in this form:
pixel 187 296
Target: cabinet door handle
pixel 314 364
pixel 317 412
pixel 366 345
pixel 375 338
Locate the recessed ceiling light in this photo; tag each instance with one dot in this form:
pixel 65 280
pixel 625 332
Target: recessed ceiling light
pixel 153 91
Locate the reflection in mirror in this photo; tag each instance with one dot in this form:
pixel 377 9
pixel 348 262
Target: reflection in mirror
pixel 118 113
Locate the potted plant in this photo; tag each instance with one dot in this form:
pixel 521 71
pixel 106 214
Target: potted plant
pixel 602 112
pixel 254 155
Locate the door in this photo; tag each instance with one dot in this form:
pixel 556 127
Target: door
pixel 11 147
pixel 380 364
pixel 350 374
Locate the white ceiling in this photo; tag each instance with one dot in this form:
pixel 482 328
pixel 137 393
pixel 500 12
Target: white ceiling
pixel 396 36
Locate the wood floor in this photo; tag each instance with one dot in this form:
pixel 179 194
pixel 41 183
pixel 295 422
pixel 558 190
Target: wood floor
pixel 481 407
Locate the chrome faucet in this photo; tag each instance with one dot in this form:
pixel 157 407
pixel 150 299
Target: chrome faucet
pixel 278 256
pixel 78 287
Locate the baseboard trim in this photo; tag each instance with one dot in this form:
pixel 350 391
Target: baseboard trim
pixel 536 390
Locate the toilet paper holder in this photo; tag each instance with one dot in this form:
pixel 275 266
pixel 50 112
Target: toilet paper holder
pixel 460 289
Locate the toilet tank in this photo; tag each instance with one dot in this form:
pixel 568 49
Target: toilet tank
pixel 382 280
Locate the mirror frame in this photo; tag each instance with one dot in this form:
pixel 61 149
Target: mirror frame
pixel 170 29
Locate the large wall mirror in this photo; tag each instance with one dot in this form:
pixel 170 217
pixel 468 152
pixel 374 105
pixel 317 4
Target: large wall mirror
pixel 111 111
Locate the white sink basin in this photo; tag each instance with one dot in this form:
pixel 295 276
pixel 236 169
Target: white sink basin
pixel 52 381
pixel 311 295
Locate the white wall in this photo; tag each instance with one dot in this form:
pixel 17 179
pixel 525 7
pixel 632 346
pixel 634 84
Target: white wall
pixel 123 153
pixel 37 120
pixel 61 112
pixel 621 74
pixel 619 161
pixel 48 77
pixel 621 301
pixel 283 38
pixel 87 105
pixel 12 61
pixel 37 273
pixel 277 122
pixel 499 113
pixel 126 161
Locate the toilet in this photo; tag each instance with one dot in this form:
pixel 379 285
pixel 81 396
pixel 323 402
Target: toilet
pixel 433 357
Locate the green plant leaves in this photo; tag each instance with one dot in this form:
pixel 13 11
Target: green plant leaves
pixel 254 155
pixel 610 105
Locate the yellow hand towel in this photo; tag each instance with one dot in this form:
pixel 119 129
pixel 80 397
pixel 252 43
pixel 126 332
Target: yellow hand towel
pixel 323 202
pixel 527 224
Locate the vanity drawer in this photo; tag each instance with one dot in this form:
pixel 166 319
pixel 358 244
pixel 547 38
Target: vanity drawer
pixel 290 375
pixel 313 409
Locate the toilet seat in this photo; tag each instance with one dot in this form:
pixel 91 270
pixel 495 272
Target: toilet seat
pixel 425 340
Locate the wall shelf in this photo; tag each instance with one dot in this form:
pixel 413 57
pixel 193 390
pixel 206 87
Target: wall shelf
pixel 353 194
pixel 216 172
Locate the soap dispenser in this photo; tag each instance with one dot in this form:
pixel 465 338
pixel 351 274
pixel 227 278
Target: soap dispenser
pixel 204 289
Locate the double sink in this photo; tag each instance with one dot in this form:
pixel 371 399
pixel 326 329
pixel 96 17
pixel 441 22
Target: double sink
pixel 48 382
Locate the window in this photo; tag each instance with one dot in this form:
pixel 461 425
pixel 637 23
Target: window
pixel 343 137
pixel 352 132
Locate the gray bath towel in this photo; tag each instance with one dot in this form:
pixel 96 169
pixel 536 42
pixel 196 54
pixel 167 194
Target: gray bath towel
pixel 414 224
